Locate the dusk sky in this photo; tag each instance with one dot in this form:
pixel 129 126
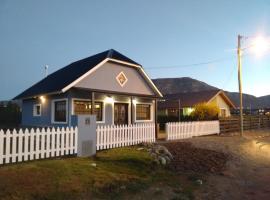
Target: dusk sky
pixel 168 38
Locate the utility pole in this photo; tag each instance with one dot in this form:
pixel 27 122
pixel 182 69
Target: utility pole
pixel 239 57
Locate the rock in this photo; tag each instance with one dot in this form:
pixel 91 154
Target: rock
pixel 199 182
pixel 93 164
pixel 140 149
pixel 162 160
pixel 168 160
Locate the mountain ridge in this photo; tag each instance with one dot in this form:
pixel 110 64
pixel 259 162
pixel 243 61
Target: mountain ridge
pixel 187 84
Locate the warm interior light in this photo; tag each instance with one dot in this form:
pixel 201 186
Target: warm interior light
pixel 260 45
pixel 42 99
pixel 108 100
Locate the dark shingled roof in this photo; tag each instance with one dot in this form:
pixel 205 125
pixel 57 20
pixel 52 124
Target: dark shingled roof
pixel 188 99
pixel 56 81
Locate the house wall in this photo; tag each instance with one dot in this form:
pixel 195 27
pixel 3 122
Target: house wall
pixel 104 78
pixel 45 120
pixel 219 101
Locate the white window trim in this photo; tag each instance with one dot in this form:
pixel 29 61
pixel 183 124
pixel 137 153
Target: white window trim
pixel 151 112
pixel 103 108
pixel 34 110
pixel 53 110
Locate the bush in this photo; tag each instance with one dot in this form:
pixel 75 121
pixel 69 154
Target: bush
pixel 10 115
pixel 163 119
pixel 204 111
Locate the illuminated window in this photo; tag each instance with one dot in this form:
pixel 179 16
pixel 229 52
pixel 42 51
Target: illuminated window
pixel 143 111
pixel 173 112
pixel 83 107
pixel 37 110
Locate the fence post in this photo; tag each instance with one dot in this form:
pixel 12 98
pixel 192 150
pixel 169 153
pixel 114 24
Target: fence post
pixel 87 134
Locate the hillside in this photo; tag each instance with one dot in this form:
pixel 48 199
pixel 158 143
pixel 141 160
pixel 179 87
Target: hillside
pixel 181 85
pixel 186 84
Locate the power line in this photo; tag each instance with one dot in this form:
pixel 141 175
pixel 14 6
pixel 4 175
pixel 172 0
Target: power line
pixel 190 65
pixel 230 77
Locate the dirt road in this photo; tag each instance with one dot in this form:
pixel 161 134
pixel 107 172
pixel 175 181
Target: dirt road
pixel 247 174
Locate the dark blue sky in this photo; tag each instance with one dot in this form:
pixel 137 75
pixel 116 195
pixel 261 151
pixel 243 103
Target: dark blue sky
pixel 153 33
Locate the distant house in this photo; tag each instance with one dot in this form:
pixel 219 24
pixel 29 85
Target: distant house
pixel 113 87
pixel 185 102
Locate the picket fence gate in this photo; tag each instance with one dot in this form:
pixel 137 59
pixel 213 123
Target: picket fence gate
pixel 18 146
pixel 182 130
pixel 112 136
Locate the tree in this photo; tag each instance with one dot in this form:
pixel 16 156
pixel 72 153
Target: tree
pixel 204 111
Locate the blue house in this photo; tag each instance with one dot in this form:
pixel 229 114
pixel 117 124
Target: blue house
pixel 113 87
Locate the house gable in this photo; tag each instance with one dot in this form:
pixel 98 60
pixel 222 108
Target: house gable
pixel 116 77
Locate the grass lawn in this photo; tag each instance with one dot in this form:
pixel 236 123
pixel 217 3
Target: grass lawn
pixel 123 173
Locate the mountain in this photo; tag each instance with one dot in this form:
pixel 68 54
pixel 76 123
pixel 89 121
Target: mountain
pixel 181 85
pixel 186 84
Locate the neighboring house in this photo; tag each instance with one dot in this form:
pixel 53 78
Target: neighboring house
pixel 113 87
pixel 185 102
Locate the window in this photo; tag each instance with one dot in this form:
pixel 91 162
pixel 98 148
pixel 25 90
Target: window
pixel 37 110
pixel 222 112
pixel 83 107
pixel 60 111
pixel 173 112
pixel 143 112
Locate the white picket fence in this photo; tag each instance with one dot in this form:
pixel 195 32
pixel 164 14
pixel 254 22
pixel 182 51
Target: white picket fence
pixel 182 130
pixel 113 136
pixel 18 146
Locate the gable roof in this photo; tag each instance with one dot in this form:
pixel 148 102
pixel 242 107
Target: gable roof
pixel 60 80
pixel 190 99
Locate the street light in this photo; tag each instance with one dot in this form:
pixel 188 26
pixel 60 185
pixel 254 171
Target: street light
pixel 259 46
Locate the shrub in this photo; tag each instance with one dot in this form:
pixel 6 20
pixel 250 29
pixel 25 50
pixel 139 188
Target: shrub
pixel 204 111
pixel 163 119
pixel 10 115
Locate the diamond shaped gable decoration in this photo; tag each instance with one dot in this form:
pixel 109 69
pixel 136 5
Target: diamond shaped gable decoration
pixel 121 79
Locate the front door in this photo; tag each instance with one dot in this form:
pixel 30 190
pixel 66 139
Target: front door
pixel 120 113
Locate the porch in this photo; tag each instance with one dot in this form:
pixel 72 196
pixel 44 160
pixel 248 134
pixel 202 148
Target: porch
pixel 112 108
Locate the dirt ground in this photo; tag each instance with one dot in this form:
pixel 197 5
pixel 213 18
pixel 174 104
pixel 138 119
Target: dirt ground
pixel 247 173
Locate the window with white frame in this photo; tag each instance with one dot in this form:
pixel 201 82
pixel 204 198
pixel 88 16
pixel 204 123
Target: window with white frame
pixel 60 111
pixel 37 110
pixel 83 107
pixel 143 111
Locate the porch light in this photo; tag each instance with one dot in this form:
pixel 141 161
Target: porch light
pixel 42 99
pixel 134 101
pixel 108 100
